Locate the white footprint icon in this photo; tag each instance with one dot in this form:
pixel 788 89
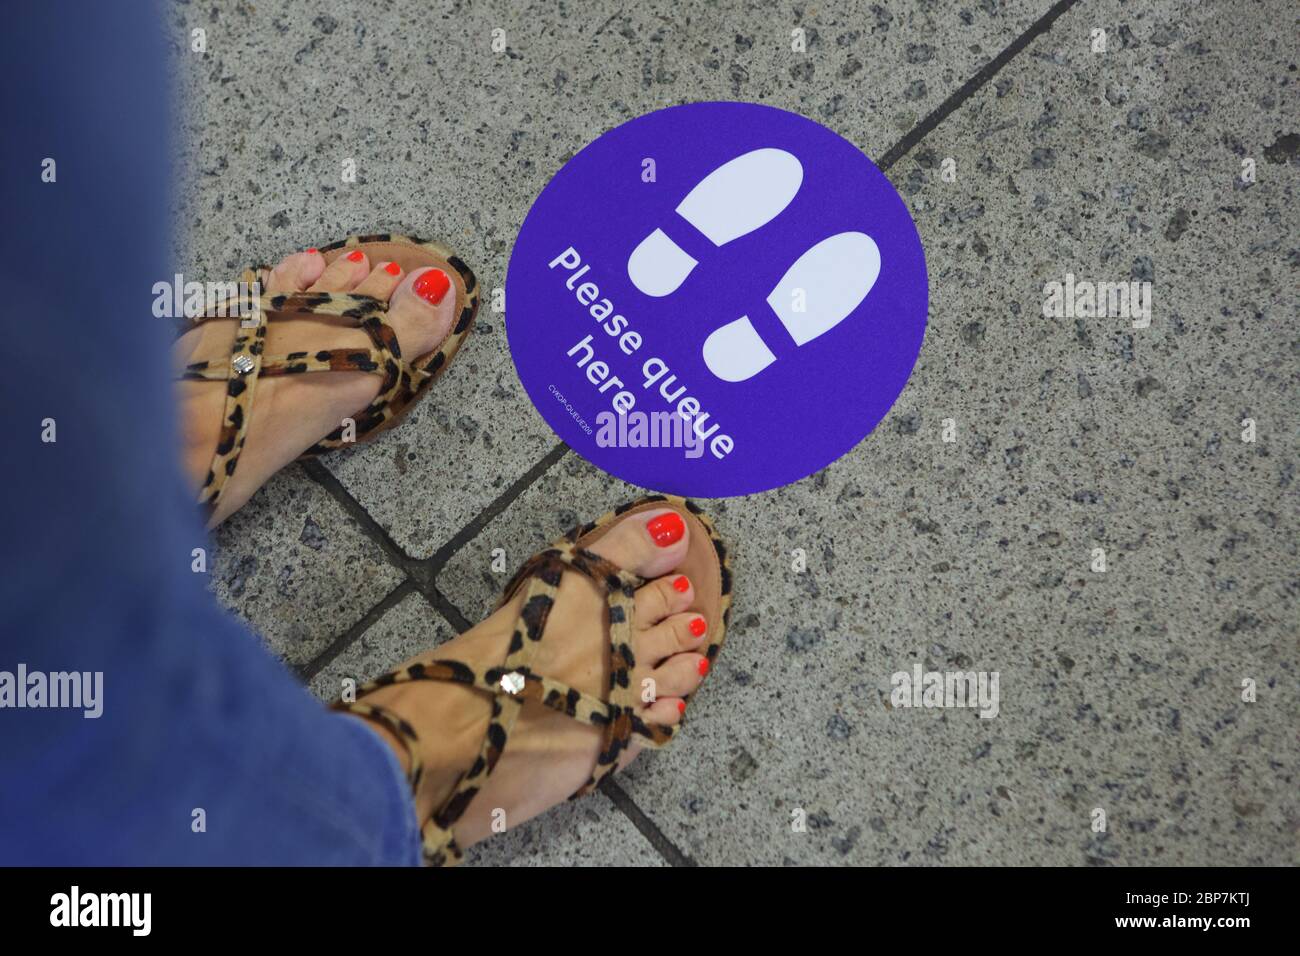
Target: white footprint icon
pixel 736 198
pixel 819 291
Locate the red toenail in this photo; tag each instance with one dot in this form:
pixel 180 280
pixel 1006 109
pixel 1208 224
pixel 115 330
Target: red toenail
pixel 432 286
pixel 312 252
pixel 698 627
pixel 704 666
pixel 356 256
pixel 666 529
pixel 681 707
pixel 682 584
pixel 393 269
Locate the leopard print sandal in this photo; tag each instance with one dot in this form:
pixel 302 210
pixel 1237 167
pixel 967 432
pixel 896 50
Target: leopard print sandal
pixel 512 683
pixel 403 382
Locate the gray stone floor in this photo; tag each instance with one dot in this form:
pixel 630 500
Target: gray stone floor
pixel 1120 691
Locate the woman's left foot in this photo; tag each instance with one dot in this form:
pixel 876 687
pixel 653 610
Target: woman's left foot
pixel 549 755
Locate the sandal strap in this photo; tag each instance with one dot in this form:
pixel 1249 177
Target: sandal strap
pixel 620 591
pixel 242 372
pixel 246 365
pixel 325 360
pixel 523 685
pixel 401 383
pixel 437 838
pixel 618 721
pixel 349 305
pixel 437 845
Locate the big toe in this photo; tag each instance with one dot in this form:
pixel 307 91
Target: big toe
pixel 648 543
pixel 421 311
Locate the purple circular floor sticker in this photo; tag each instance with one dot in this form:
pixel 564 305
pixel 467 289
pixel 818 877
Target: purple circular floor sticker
pixel 716 299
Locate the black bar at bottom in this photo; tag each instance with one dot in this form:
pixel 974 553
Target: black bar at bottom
pixel 1219 907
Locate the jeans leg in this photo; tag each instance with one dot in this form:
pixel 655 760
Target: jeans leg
pixel 205 749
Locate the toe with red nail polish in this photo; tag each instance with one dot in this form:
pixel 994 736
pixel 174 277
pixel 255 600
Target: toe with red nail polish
pixel 704 666
pixel 666 529
pixel 698 627
pixel 393 269
pixel 682 584
pixel 432 286
pixel 356 256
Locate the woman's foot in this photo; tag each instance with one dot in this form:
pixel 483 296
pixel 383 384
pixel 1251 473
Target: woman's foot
pixel 550 755
pixel 293 412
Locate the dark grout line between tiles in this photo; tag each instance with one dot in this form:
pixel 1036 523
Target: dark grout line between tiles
pixel 368 525
pixel 318 663
pixel 968 89
pixel 503 501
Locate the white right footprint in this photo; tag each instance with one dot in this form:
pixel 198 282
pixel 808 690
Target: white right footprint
pixel 736 198
pixel 818 292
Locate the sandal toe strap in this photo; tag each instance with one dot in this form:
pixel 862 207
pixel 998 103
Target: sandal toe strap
pixel 402 382
pixel 348 305
pixel 325 360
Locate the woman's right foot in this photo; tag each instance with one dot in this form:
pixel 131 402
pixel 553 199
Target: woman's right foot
pixel 293 412
pixel 550 755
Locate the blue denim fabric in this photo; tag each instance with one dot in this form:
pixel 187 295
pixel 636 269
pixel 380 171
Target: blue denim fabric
pixel 96 528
